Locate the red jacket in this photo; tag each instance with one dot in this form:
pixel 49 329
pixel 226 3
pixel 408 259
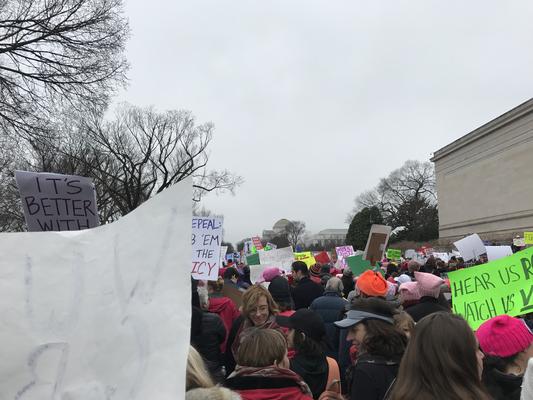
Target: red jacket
pixel 290 393
pixel 228 312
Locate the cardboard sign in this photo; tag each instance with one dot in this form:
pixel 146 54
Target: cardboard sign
pixel 470 247
pixel 528 237
pixel 257 243
pixel 281 258
pixel 376 244
pixel 342 253
pixel 410 253
pixel 55 202
pixel 322 257
pixel 357 264
pixel 101 310
pixel 443 256
pixel 393 254
pixel 503 286
pixel 306 257
pixel 496 252
pixel 206 240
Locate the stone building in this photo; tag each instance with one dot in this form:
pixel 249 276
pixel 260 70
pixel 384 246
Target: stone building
pixel 485 179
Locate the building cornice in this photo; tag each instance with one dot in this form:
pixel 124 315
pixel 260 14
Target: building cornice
pixel 497 123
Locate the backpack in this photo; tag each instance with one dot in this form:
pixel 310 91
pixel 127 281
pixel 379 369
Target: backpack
pixel 333 386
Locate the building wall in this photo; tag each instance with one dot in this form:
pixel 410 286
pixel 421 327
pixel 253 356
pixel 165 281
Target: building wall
pixel 485 179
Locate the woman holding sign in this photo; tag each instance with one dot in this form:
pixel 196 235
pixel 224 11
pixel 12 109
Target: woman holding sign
pixel 258 311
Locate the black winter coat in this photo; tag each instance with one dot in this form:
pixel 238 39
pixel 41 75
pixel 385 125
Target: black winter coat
pixel 208 340
pixel 502 386
pixel 372 376
pixel 426 306
pixel 305 292
pixel 330 307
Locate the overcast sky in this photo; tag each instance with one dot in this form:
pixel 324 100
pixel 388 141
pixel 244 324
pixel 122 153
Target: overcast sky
pixel 314 101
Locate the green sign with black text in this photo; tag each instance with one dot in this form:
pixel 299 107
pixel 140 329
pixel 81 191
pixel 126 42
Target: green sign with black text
pixel 503 286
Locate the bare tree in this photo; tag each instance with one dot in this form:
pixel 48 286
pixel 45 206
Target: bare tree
pixel 58 53
pixel 413 181
pixel 295 231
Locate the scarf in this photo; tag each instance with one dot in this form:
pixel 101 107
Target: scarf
pixel 247 326
pixel 271 372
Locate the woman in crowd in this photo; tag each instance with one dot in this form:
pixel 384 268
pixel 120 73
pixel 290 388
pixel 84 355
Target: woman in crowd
pixel 429 288
pixel 258 311
pixel 380 347
pixel 404 323
pixel 442 362
pixel 263 369
pixel 223 306
pixel 507 344
pixel 307 336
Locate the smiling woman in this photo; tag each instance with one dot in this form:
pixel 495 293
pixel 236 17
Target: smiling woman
pixel 258 311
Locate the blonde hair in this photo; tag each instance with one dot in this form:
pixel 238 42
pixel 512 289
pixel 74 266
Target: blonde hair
pixel 197 375
pixel 404 320
pixel 214 393
pixel 261 348
pixel 251 297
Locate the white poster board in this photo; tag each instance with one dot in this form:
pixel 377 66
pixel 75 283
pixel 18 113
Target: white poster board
pixel 223 251
pixel 443 256
pixel 470 247
pixel 410 253
pixel 495 252
pixel 378 238
pixel 206 241
pixel 282 258
pixel 99 313
pixel 55 202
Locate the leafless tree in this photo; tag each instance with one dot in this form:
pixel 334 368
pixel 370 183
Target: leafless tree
pixel 295 231
pixel 414 180
pixel 58 53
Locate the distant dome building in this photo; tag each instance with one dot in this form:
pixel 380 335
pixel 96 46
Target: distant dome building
pixel 276 230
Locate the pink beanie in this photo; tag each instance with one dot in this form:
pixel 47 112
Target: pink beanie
pixel 409 291
pixel 504 336
pixel 428 284
pixel 269 274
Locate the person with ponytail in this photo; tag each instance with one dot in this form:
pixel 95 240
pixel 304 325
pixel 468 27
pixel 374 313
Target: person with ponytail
pixel 223 306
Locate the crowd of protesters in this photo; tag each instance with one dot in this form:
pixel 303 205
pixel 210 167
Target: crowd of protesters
pixel 321 333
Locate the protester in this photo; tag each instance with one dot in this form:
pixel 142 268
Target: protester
pixel 404 323
pixel 508 345
pixel 371 284
pixel 330 306
pixel 197 375
pixel 263 369
pixel 380 347
pixel 212 393
pixel 281 293
pixel 258 311
pixel 347 281
pixel 207 335
pixel 244 281
pixel 409 294
pixel 412 266
pixel 231 277
pixel 429 288
pixel 442 362
pixel 307 335
pixel 223 306
pixel 306 290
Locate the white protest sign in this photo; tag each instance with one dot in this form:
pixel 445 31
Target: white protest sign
pixel 206 240
pixel 495 252
pixel 470 247
pixel 272 245
pixel 282 258
pixel 256 272
pixel 99 313
pixel 55 202
pixel 410 253
pixel 223 251
pixel 342 253
pixel 443 256
pixel 519 242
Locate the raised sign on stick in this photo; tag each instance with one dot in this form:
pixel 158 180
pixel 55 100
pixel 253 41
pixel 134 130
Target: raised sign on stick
pixel 55 202
pixel 206 241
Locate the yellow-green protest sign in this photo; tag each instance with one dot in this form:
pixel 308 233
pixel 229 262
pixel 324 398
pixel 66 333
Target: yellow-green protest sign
pixel 503 286
pixel 306 257
pixel 393 254
pixel 528 237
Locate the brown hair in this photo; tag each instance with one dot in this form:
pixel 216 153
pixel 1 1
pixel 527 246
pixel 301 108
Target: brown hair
pixel 251 297
pixel 197 375
pixel 440 362
pixel 382 338
pixel 402 319
pixel 261 348
pixel 216 286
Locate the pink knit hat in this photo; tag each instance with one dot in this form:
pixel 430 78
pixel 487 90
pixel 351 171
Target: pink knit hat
pixel 269 274
pixel 504 336
pixel 409 292
pixel 428 284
